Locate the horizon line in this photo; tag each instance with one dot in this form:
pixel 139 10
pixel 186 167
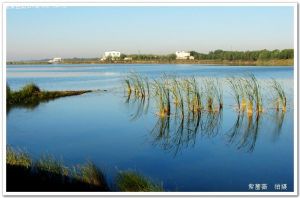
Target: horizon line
pixel 46 58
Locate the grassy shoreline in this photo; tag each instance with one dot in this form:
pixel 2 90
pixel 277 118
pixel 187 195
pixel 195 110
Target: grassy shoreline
pixel 272 62
pixel 49 174
pixel 31 95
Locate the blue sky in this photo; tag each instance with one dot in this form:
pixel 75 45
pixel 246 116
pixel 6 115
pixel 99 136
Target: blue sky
pixel 37 33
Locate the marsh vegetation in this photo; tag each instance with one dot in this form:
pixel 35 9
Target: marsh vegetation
pixel 206 94
pixel 31 95
pixel 129 181
pixel 50 174
pixel 186 107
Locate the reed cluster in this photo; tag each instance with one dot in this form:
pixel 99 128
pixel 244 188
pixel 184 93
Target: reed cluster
pixel 183 94
pixel 136 84
pixel 162 93
pixel 235 85
pixel 137 93
pixel 192 96
pixel 214 94
pixel 279 96
pixel 177 95
pixel 186 106
pixel 191 110
pixel 247 93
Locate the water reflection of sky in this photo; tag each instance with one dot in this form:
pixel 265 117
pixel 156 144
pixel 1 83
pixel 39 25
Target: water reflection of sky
pixel 225 152
pixel 51 76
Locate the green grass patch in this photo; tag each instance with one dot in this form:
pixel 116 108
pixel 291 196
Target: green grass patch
pixel 31 95
pixel 129 181
pixel 48 163
pixel 49 173
pixel 91 174
pixel 18 157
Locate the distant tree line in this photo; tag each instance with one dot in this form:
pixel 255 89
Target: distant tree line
pixel 150 57
pixel 220 55
pixel 245 55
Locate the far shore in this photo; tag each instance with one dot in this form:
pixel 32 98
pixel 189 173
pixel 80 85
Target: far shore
pixel 272 62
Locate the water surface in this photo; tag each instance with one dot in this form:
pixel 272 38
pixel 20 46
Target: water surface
pixel 227 153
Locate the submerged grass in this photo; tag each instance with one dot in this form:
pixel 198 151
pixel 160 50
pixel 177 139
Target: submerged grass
pixel 129 181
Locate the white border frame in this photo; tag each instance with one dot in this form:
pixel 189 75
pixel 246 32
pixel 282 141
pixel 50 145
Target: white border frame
pixel 5 5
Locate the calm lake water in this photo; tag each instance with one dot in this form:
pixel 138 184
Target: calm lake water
pixel 226 153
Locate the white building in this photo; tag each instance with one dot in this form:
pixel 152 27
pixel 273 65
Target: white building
pixel 55 60
pixel 182 55
pixel 111 54
pixel 128 58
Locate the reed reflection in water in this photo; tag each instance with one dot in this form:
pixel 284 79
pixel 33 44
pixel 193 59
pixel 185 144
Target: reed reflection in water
pixel 172 133
pixel 188 108
pixel 244 132
pixel 278 119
